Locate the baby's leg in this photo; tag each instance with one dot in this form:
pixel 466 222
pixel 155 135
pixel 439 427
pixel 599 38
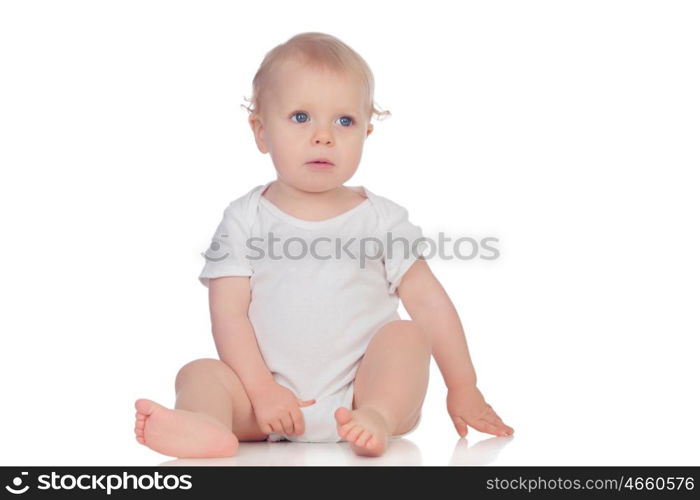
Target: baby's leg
pixel 212 414
pixel 390 387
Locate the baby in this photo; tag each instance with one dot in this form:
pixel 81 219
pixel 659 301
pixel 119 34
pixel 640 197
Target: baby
pixel 310 343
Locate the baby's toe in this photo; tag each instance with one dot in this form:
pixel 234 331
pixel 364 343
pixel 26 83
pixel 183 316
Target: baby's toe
pixel 363 438
pixel 146 406
pixel 343 430
pixel 140 425
pixel 342 416
pixel 354 433
pixel 373 447
pixel 140 436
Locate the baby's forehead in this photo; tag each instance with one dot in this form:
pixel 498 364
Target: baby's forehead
pixel 315 71
pixel 306 83
pixel 314 86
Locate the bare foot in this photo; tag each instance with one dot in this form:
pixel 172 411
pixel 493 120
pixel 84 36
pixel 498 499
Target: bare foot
pixel 182 433
pixel 365 429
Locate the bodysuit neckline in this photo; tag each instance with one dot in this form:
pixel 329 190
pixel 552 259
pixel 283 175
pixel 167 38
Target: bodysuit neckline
pixel 313 224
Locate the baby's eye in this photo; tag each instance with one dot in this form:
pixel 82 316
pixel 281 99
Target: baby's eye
pixel 299 113
pixel 348 118
pixel 302 117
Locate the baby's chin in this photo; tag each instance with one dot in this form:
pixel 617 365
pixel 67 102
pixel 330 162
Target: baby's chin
pixel 317 181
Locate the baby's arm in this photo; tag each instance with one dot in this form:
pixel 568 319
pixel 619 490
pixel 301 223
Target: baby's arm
pixel 276 407
pixel 229 299
pixel 430 307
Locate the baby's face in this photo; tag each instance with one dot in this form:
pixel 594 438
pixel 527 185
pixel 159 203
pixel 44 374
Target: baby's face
pixel 310 114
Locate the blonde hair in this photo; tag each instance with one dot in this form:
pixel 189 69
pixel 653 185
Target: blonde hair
pixel 317 50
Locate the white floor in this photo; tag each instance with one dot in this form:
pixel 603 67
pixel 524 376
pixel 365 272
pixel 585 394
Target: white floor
pixel 402 451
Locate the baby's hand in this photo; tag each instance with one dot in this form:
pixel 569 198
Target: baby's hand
pixel 277 410
pixel 466 405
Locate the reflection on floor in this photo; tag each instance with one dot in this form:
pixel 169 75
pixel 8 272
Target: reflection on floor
pixel 400 452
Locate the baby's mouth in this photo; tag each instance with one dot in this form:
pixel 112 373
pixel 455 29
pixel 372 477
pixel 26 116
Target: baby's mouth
pixel 320 163
pixel 321 160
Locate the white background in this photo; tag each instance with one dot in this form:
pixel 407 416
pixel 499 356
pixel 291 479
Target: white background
pixel 568 130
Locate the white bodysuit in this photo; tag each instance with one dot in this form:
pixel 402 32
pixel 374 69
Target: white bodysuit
pixel 315 305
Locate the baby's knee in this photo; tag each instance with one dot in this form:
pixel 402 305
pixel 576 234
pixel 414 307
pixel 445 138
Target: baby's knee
pixel 199 369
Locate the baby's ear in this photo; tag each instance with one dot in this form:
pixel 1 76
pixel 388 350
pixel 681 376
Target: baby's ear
pixel 253 120
pixel 370 128
pixel 256 126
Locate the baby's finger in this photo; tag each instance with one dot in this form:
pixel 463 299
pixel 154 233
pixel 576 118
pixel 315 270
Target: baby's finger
pixel 288 424
pixel 278 427
pixel 461 426
pixel 308 402
pixel 496 421
pixel 484 426
pixel 487 414
pixel 298 422
pixel 508 428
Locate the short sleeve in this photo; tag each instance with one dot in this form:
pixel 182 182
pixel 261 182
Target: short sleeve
pixel 403 243
pixel 226 255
